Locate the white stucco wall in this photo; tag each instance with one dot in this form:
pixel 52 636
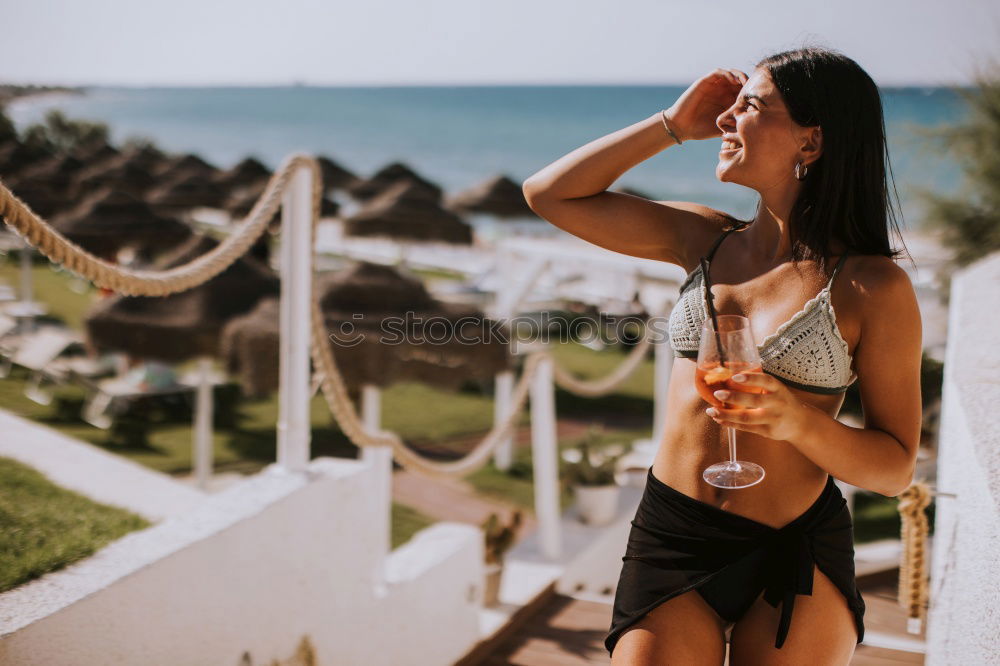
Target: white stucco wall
pixel 964 614
pixel 255 568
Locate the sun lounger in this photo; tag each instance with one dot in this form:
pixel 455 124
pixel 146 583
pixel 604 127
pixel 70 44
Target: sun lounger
pixel 7 326
pixel 36 352
pixel 111 395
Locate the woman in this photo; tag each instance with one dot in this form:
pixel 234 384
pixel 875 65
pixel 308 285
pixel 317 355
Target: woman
pixel 769 567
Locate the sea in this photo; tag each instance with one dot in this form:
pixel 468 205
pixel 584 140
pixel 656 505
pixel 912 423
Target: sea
pixel 458 136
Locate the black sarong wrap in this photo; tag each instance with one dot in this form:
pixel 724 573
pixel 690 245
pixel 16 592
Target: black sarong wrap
pixel 678 543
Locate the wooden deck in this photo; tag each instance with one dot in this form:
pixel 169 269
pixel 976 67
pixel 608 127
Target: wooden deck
pixel 570 632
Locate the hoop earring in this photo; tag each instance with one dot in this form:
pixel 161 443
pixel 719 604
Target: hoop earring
pixel 801 170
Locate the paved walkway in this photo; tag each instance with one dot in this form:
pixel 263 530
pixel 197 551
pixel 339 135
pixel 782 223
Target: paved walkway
pixel 92 471
pixel 452 499
pixel 456 499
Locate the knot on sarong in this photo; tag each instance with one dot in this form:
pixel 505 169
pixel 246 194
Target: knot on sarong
pixel 789 571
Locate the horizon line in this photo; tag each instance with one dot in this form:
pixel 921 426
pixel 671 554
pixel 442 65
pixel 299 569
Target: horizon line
pixel 424 84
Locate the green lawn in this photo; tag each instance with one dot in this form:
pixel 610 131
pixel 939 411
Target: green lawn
pixel 44 527
pixel 418 413
pixel 53 289
pixel 438 274
pixel 515 484
pixel 876 517
pixel 406 522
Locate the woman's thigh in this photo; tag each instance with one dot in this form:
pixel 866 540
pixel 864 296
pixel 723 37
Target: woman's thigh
pixel 823 632
pixel 683 631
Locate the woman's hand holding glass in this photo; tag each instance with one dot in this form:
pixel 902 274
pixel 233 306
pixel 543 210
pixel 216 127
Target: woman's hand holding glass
pixel 776 413
pixel 726 349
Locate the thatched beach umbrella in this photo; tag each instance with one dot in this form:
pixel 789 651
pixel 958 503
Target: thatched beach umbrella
pixel 328 208
pixel 118 174
pixel 248 172
pixel 498 196
pixel 58 169
pixel 391 175
pixel 335 176
pixel 172 167
pixel 444 344
pixel 183 325
pixel 188 190
pixel 250 347
pixel 48 186
pixel 404 212
pixel 239 203
pixel 376 341
pixel 95 151
pixel 16 156
pixel 108 220
pixel 146 156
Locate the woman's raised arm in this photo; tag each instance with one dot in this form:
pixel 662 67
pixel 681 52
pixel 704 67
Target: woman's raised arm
pixel 572 193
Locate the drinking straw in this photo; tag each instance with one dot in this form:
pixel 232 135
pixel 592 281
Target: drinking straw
pixel 711 310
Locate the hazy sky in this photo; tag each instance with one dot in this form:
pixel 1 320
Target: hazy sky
pixel 478 41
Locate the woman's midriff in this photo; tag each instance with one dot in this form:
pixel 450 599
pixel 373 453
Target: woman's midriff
pixel 693 441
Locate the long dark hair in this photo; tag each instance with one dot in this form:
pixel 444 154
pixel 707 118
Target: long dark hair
pixel 845 193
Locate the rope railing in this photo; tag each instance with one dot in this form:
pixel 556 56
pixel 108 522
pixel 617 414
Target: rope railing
pixel 49 242
pixel 913 585
pixel 594 388
pixel 40 235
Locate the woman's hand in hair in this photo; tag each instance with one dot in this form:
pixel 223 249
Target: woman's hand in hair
pixel 694 113
pixel 776 413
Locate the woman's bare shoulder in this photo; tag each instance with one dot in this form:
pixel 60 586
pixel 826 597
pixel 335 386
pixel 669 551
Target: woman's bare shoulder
pixel 869 290
pixel 873 275
pixel 881 291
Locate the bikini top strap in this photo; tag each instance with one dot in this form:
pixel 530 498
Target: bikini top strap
pixel 728 229
pixel 704 262
pixel 836 269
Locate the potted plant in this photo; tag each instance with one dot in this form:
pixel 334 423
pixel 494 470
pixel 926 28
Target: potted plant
pixel 498 539
pixel 591 474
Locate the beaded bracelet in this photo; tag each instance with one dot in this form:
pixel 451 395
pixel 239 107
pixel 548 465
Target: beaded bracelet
pixel 663 116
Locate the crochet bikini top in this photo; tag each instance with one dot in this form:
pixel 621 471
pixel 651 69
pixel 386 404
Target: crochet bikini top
pixel 807 352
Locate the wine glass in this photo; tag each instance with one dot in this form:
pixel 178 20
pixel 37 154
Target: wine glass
pixel 727 348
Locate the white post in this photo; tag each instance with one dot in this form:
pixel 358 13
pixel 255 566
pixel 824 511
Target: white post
pixel 26 307
pixel 508 300
pixel 380 458
pixel 503 399
pixel 503 454
pixel 545 459
pixel 27 289
pixel 663 363
pixel 203 424
pixel 644 450
pixel 296 276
